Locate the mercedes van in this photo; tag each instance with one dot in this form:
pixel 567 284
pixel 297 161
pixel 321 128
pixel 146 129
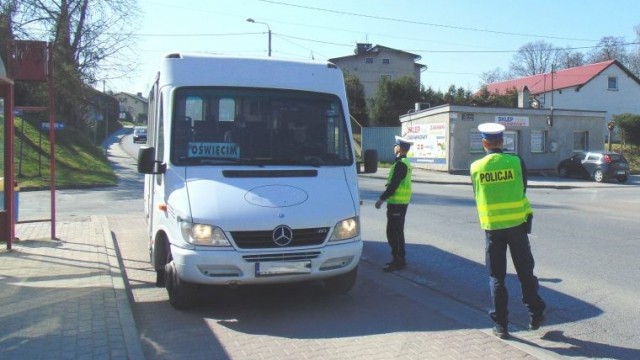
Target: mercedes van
pixel 250 175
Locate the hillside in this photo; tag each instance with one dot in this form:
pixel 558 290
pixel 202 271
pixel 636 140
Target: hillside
pixel 79 162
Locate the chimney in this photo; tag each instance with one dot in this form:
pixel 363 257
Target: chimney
pixel 139 94
pixel 523 98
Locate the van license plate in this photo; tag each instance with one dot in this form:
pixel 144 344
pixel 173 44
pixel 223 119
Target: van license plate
pixel 283 268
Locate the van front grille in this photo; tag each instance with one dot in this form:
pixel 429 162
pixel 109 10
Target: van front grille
pixel 264 239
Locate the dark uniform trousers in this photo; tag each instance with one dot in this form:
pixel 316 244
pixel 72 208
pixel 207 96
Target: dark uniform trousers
pixel 517 240
pixel 395 228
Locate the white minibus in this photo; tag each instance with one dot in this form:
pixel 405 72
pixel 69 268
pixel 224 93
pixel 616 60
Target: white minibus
pixel 250 175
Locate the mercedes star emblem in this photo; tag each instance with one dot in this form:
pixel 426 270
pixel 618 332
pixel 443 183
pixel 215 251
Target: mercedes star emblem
pixel 282 235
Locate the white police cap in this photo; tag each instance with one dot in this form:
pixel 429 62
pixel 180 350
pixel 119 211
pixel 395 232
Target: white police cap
pixel 403 143
pixel 491 130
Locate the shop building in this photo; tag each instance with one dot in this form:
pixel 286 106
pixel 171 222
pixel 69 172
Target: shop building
pixel 446 138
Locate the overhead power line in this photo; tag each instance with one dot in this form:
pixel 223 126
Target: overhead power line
pixel 423 23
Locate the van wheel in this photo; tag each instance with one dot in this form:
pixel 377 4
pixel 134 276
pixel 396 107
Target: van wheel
pixel 342 283
pixel 370 161
pixel 598 175
pixel 181 293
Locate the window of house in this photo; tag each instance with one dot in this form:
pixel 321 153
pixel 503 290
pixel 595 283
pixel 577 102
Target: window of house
pixel 612 83
pixel 386 61
pixel 580 141
pixel 385 77
pixel 368 60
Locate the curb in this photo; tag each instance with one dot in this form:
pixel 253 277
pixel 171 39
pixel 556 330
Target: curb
pixel 127 322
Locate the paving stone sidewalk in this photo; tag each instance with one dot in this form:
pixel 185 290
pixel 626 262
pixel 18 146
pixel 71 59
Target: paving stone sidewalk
pixel 65 298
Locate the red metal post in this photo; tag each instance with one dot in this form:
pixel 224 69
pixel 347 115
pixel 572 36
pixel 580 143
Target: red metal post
pixel 9 232
pixel 52 140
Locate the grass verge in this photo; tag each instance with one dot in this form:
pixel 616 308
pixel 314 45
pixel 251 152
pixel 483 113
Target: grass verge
pixel 79 162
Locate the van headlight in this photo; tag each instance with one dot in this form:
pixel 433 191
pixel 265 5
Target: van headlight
pixel 203 235
pixel 346 229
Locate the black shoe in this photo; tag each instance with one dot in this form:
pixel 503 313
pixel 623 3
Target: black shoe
pixel 402 262
pixel 393 266
pixel 536 321
pixel 501 331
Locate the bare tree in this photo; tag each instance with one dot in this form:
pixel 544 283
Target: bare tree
pixel 568 58
pixel 8 9
pixel 492 76
pixel 533 58
pixel 91 41
pixel 95 35
pixel 634 55
pixel 610 48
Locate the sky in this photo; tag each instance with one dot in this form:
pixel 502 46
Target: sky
pixel 458 40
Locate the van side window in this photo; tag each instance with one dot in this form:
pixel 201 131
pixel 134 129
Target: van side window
pixel 227 109
pixel 193 108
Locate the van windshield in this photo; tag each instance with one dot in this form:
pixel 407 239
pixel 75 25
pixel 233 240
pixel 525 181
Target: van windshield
pixel 228 126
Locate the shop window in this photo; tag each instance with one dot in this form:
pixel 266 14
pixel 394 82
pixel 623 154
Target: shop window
pixel 538 141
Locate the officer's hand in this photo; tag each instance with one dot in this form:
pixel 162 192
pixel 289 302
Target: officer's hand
pixel 379 203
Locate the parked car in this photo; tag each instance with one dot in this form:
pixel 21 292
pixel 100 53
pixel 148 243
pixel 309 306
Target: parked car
pixel 140 134
pixel 596 165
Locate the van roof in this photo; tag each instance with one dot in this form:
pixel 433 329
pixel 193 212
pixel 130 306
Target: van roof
pixel 189 69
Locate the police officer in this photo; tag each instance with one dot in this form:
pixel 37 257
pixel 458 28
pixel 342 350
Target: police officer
pixel 397 195
pixel 499 183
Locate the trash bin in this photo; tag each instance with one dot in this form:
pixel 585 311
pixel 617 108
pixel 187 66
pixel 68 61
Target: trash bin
pixel 16 198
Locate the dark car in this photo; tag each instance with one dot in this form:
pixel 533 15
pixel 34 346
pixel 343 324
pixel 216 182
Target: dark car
pixel 596 165
pixel 140 134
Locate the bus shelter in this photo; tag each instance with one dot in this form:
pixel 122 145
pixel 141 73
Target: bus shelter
pixel 28 61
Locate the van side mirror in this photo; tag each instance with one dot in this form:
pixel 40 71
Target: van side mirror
pixel 147 163
pixel 370 161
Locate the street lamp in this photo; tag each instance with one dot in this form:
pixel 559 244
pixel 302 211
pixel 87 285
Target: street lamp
pixel 268 28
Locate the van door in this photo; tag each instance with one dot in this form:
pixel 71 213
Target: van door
pixel 153 126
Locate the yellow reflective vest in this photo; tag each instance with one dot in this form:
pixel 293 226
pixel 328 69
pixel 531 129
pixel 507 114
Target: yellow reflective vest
pixel 403 192
pixel 499 191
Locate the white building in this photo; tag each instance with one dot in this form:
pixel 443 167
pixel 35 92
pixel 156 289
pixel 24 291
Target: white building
pixel 371 64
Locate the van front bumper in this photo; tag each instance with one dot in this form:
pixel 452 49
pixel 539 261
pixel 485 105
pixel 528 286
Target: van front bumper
pixel 230 267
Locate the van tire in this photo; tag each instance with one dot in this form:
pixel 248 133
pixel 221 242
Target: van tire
pixel 182 294
pixel 342 283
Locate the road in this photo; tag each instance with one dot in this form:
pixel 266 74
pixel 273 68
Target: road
pixel 585 242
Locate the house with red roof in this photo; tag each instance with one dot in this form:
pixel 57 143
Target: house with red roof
pixel 604 86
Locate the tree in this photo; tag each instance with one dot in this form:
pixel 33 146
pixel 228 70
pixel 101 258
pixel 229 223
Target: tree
pixel 629 125
pixel 355 96
pixel 394 98
pixel 486 98
pixel 431 97
pixel 634 55
pixel 568 58
pixel 495 75
pixel 533 58
pixel 610 48
pixel 457 96
pixel 90 39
